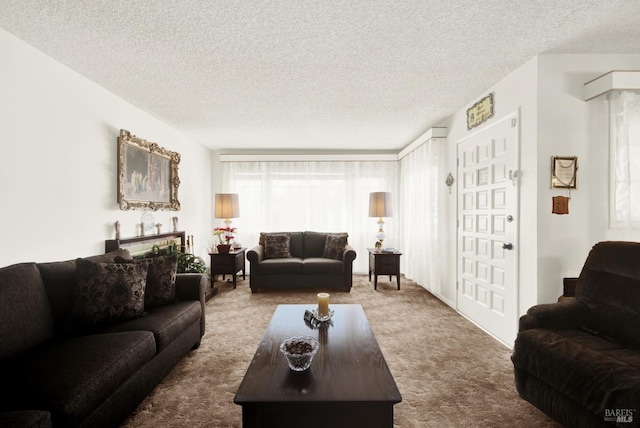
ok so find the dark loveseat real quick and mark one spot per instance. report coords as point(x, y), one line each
point(578, 360)
point(58, 370)
point(301, 260)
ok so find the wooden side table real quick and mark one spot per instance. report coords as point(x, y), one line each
point(228, 263)
point(384, 263)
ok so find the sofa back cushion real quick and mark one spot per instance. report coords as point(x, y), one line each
point(59, 281)
point(609, 285)
point(314, 244)
point(25, 315)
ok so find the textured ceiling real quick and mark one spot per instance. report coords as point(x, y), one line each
point(298, 74)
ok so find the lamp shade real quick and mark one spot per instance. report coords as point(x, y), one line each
point(380, 204)
point(227, 205)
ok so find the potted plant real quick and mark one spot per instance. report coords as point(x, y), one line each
point(225, 238)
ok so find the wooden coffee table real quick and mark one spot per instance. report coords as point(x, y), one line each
point(348, 384)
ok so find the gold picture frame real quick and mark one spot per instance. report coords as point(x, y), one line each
point(480, 112)
point(147, 175)
point(564, 172)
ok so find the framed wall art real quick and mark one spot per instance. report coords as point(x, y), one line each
point(147, 175)
point(564, 172)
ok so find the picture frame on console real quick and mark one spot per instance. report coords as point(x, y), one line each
point(147, 175)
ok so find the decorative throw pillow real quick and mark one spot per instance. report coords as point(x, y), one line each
point(106, 293)
point(161, 279)
point(277, 246)
point(334, 246)
point(263, 235)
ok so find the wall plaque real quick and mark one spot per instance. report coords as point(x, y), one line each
point(480, 112)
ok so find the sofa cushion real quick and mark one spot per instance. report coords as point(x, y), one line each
point(314, 244)
point(59, 281)
point(591, 370)
point(278, 266)
point(334, 246)
point(26, 419)
point(161, 279)
point(106, 293)
point(25, 315)
point(166, 322)
point(71, 377)
point(277, 246)
point(322, 265)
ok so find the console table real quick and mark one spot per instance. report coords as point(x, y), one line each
point(384, 263)
point(228, 263)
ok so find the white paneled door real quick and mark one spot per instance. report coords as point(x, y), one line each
point(487, 229)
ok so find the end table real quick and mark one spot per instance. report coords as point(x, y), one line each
point(228, 263)
point(384, 263)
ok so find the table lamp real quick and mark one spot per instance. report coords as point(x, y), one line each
point(227, 207)
point(380, 206)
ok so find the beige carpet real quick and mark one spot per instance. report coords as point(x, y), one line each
point(449, 372)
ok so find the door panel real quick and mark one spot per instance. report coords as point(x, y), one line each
point(487, 271)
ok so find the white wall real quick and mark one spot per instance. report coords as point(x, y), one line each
point(514, 94)
point(568, 127)
point(58, 179)
point(554, 120)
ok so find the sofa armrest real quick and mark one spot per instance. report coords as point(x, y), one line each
point(349, 254)
point(563, 315)
point(192, 286)
point(256, 254)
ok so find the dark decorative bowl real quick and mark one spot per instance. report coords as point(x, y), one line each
point(299, 351)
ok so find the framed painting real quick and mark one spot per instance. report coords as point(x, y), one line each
point(147, 175)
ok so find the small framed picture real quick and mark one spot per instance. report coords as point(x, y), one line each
point(564, 172)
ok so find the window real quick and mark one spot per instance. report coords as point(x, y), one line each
point(314, 196)
point(624, 128)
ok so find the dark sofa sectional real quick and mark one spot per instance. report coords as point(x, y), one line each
point(53, 377)
point(578, 360)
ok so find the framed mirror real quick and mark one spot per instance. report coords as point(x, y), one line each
point(147, 175)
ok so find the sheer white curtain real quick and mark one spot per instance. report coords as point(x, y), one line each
point(624, 128)
point(316, 196)
point(423, 206)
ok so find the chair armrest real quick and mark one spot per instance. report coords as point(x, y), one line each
point(349, 254)
point(563, 315)
point(256, 254)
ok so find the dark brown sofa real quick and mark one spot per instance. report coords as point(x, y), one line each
point(54, 376)
point(578, 360)
point(306, 260)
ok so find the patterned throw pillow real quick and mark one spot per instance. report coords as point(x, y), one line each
point(161, 279)
point(106, 293)
point(277, 246)
point(334, 246)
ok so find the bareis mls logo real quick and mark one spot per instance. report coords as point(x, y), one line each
point(619, 415)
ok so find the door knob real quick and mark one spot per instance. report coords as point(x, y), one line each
point(507, 246)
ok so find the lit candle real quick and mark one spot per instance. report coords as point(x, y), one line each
point(323, 304)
